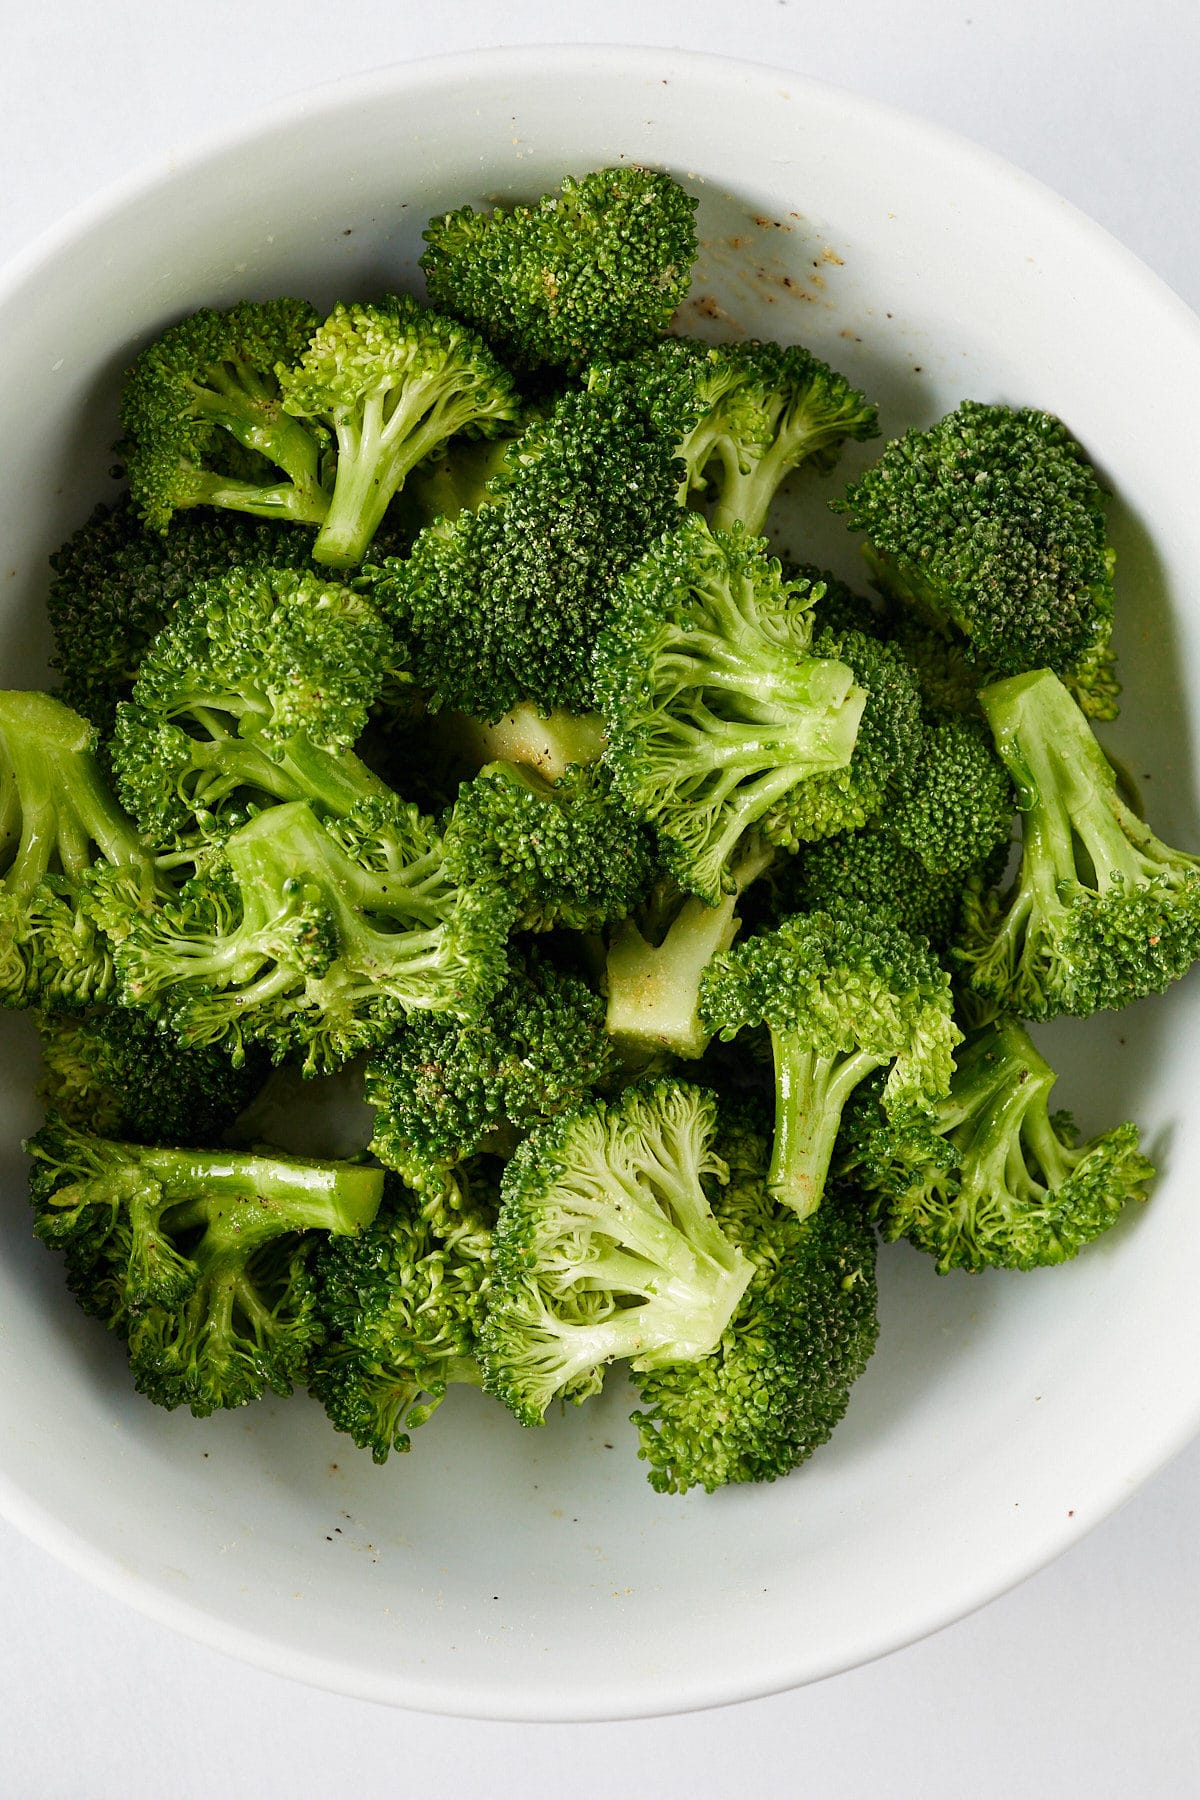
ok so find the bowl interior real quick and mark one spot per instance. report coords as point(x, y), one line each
point(502, 1572)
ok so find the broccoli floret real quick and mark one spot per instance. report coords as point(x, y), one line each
point(779, 1380)
point(442, 1088)
point(606, 1247)
point(891, 745)
point(312, 938)
point(842, 994)
point(715, 705)
point(1101, 911)
point(592, 272)
point(991, 1178)
point(113, 1072)
point(948, 681)
point(992, 523)
point(657, 958)
point(203, 422)
point(837, 608)
point(390, 383)
point(959, 811)
point(400, 1305)
point(872, 868)
point(199, 1259)
point(59, 824)
point(256, 691)
point(568, 854)
point(502, 605)
point(753, 412)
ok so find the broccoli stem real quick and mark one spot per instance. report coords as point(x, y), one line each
point(749, 486)
point(55, 788)
point(243, 1200)
point(237, 399)
point(281, 500)
point(811, 1092)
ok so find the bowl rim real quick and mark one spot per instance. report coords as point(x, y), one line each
point(20, 1507)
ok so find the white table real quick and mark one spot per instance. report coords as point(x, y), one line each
point(1084, 1681)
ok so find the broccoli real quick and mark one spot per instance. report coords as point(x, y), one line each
point(444, 1088)
point(501, 606)
point(198, 1259)
point(312, 938)
point(842, 994)
point(546, 743)
point(773, 1388)
point(959, 811)
point(254, 692)
point(715, 705)
point(606, 1247)
point(1101, 911)
point(203, 421)
point(390, 383)
point(991, 524)
point(872, 868)
point(59, 824)
point(568, 854)
point(890, 747)
point(113, 1072)
point(948, 681)
point(400, 1305)
point(752, 412)
point(993, 1179)
point(590, 273)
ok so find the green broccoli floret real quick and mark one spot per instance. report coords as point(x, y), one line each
point(891, 745)
point(502, 605)
point(199, 1259)
point(753, 412)
point(59, 824)
point(1101, 911)
point(838, 608)
point(606, 1247)
point(842, 994)
point(948, 680)
point(991, 1178)
point(567, 854)
point(312, 938)
point(203, 421)
point(592, 272)
point(871, 868)
point(443, 1088)
point(254, 692)
point(992, 523)
point(959, 811)
point(400, 1307)
point(113, 1072)
point(779, 1380)
point(390, 383)
point(715, 705)
point(116, 583)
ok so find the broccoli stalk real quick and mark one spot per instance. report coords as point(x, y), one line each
point(715, 706)
point(198, 1258)
point(548, 743)
point(606, 1247)
point(391, 383)
point(991, 1178)
point(1102, 911)
point(842, 995)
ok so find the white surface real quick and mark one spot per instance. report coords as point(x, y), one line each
point(1082, 1681)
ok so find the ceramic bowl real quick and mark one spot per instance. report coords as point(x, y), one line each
point(514, 1574)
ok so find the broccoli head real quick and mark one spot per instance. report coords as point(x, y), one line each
point(958, 813)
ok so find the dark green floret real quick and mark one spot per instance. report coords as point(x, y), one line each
point(114, 1072)
point(567, 853)
point(390, 384)
point(606, 1247)
point(991, 524)
point(313, 940)
point(991, 1178)
point(779, 1380)
point(1102, 911)
point(959, 811)
point(502, 605)
point(399, 1304)
point(254, 692)
point(592, 272)
point(59, 825)
point(842, 994)
point(752, 413)
point(442, 1088)
point(871, 868)
point(198, 1259)
point(715, 705)
point(204, 424)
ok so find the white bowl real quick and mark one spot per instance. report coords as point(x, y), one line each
point(507, 1573)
